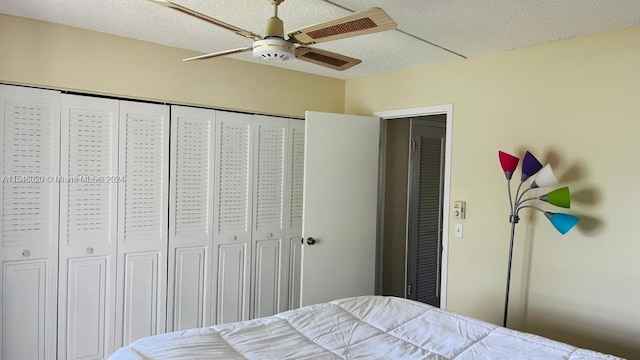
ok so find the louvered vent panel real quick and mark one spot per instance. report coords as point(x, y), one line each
point(297, 176)
point(89, 202)
point(270, 186)
point(27, 153)
point(144, 180)
point(429, 219)
point(192, 176)
point(234, 178)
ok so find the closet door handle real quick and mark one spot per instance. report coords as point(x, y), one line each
point(311, 241)
point(89, 250)
point(26, 253)
point(269, 235)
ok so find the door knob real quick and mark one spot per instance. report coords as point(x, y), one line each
point(311, 241)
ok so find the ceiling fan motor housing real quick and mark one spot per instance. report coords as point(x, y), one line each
point(274, 49)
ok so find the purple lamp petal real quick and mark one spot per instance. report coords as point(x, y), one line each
point(530, 166)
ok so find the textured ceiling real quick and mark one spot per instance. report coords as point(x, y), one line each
point(467, 27)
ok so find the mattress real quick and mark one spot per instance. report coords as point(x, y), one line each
point(369, 327)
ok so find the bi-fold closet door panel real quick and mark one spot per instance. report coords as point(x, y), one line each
point(229, 219)
point(88, 227)
point(143, 221)
point(269, 242)
point(295, 174)
point(191, 218)
point(29, 164)
point(232, 216)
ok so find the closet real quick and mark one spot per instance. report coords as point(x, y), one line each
point(234, 225)
point(124, 219)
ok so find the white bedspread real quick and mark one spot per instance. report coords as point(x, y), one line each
point(370, 327)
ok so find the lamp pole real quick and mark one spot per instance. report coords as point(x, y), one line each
point(513, 219)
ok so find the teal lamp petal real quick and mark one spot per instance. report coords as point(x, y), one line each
point(562, 222)
point(545, 177)
point(559, 197)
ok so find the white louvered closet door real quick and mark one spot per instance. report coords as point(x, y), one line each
point(295, 175)
point(269, 255)
point(29, 163)
point(142, 220)
point(190, 218)
point(232, 220)
point(88, 227)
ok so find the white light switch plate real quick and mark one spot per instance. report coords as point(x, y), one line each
point(458, 230)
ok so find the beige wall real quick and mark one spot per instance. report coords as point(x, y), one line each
point(575, 104)
point(40, 53)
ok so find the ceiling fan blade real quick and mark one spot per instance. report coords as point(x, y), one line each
point(219, 53)
point(359, 23)
point(224, 25)
point(326, 58)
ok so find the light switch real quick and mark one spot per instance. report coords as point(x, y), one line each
point(458, 230)
point(459, 209)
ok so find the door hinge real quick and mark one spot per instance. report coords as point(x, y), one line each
point(413, 145)
point(408, 289)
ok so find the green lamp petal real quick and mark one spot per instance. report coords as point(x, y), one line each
point(559, 197)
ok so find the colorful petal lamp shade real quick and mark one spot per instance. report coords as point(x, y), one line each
point(509, 163)
point(559, 197)
point(530, 166)
point(562, 222)
point(545, 177)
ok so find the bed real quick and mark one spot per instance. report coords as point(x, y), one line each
point(367, 327)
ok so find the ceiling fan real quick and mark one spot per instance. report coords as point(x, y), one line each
point(274, 47)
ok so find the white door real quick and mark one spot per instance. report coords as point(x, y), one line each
point(269, 216)
point(29, 164)
point(143, 221)
point(88, 218)
point(294, 201)
point(232, 221)
point(190, 218)
point(340, 206)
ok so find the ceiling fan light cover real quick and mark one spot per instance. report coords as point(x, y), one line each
point(274, 49)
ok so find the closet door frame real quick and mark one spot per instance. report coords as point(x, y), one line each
point(418, 112)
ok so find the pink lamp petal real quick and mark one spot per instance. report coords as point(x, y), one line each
point(508, 162)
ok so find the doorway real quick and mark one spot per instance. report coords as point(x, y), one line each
point(396, 253)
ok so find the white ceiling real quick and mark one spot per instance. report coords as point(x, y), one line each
point(467, 27)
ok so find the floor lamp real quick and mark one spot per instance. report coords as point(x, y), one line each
point(559, 197)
